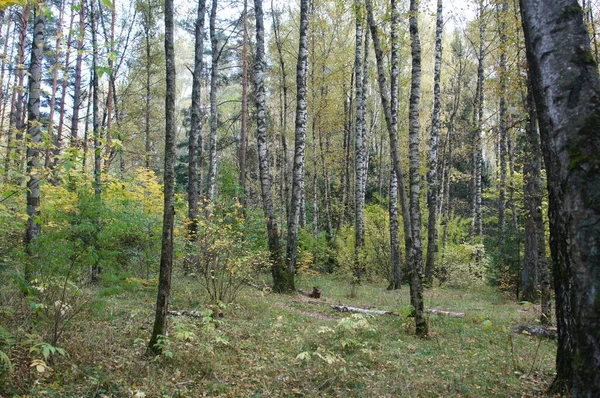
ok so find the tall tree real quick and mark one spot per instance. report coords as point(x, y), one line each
point(195, 136)
point(166, 253)
point(414, 170)
point(477, 184)
point(16, 116)
point(535, 269)
point(77, 97)
point(503, 138)
point(34, 134)
point(211, 175)
point(567, 97)
point(432, 178)
point(283, 277)
point(300, 139)
point(244, 121)
point(57, 51)
point(359, 143)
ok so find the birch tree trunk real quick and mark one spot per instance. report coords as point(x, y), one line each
point(476, 220)
point(147, 140)
point(166, 253)
point(432, 178)
point(34, 137)
point(415, 177)
point(285, 185)
point(299, 141)
point(503, 128)
point(214, 73)
point(244, 121)
point(195, 136)
point(396, 259)
point(77, 97)
point(57, 52)
point(567, 92)
point(283, 277)
point(359, 145)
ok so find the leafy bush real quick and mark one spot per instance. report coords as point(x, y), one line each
point(224, 258)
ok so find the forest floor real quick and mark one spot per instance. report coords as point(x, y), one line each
point(268, 345)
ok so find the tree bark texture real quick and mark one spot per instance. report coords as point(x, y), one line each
point(283, 277)
point(34, 136)
point(414, 166)
point(567, 98)
point(195, 136)
point(166, 253)
point(359, 145)
point(214, 120)
point(432, 177)
point(300, 139)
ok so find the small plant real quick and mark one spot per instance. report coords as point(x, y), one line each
point(225, 261)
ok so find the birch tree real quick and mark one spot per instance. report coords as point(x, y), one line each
point(299, 140)
point(34, 135)
point(566, 89)
point(283, 277)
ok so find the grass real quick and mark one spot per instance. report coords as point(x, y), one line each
point(269, 345)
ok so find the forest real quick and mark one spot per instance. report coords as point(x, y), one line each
point(299, 198)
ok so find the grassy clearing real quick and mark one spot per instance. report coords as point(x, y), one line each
point(268, 345)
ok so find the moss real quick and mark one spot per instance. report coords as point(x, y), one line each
point(572, 10)
point(586, 57)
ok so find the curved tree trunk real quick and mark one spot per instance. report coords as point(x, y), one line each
point(283, 278)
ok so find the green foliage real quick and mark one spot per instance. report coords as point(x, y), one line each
point(221, 254)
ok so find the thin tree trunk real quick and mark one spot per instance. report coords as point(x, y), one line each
point(195, 136)
point(299, 141)
point(166, 254)
point(16, 119)
point(244, 127)
point(57, 52)
point(503, 127)
point(285, 185)
point(283, 278)
point(396, 258)
point(566, 88)
point(214, 72)
point(34, 133)
point(5, 58)
point(532, 195)
point(77, 98)
point(359, 145)
point(476, 220)
point(65, 82)
point(432, 178)
point(147, 140)
point(96, 126)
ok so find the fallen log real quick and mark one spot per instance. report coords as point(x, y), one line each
point(549, 332)
point(315, 293)
point(446, 313)
point(192, 313)
point(195, 314)
point(344, 308)
point(262, 288)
